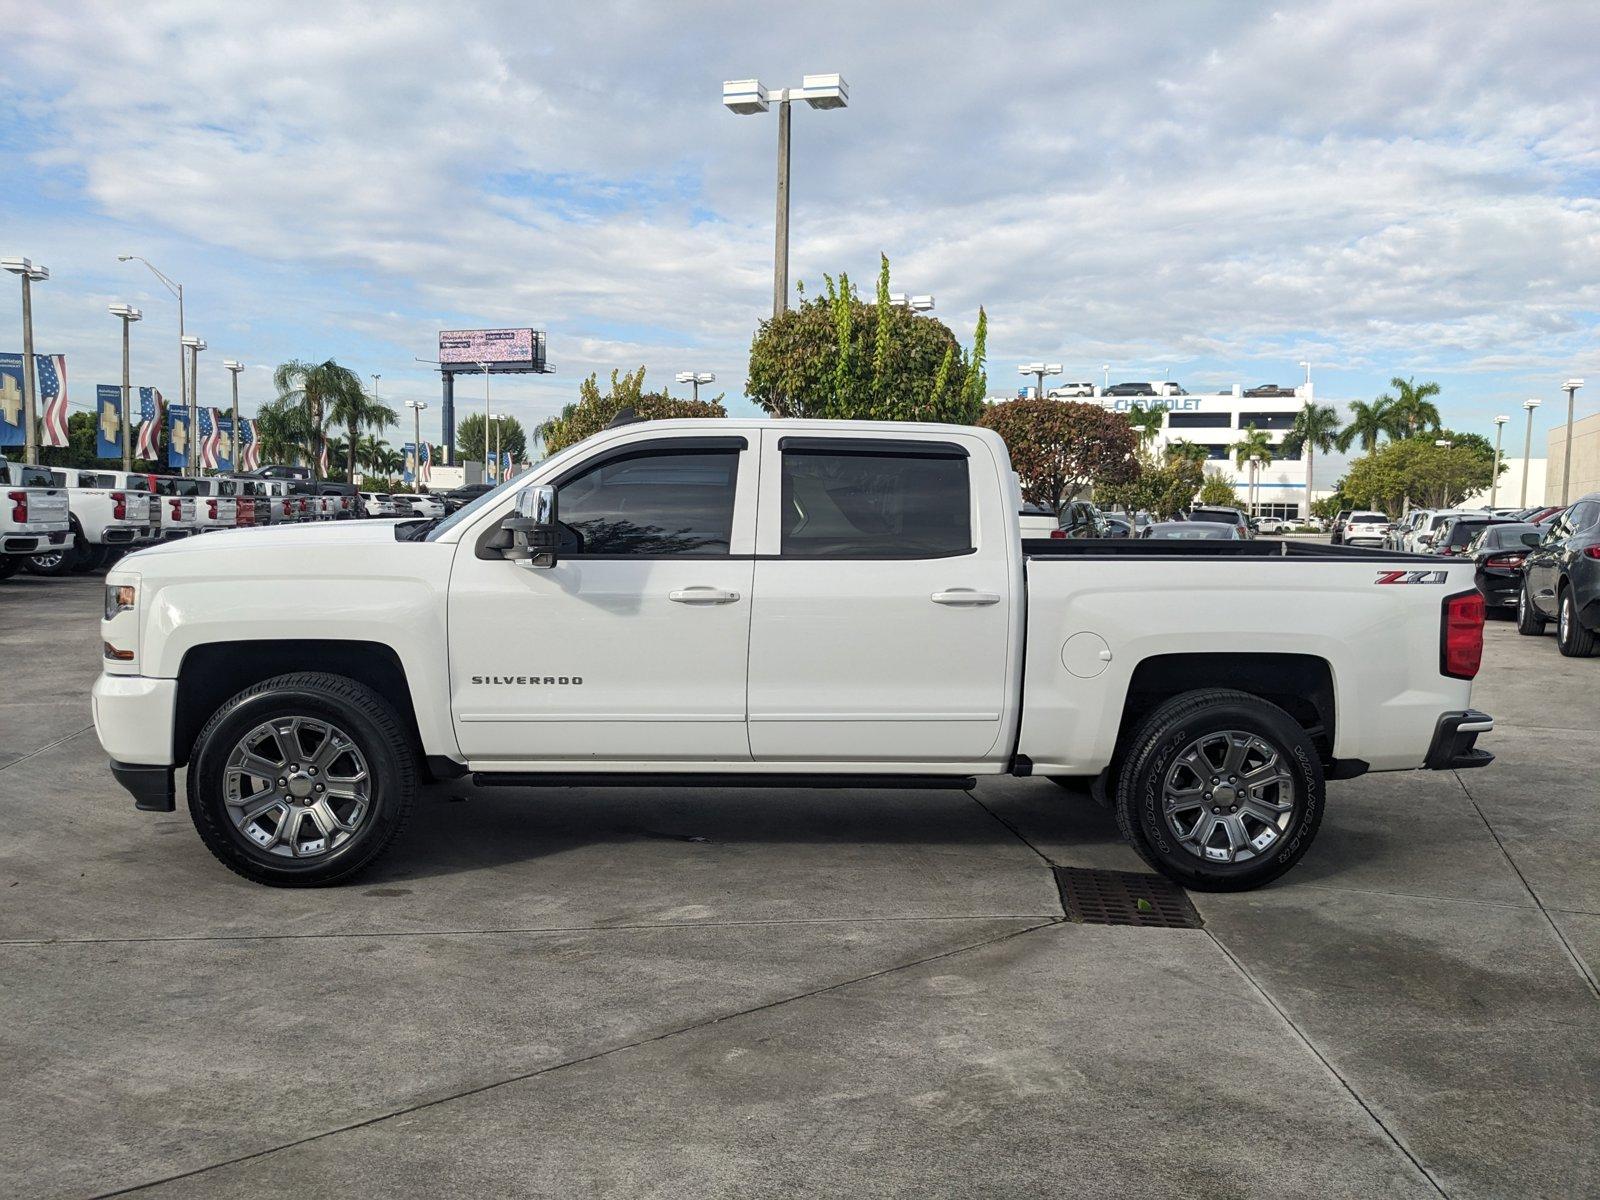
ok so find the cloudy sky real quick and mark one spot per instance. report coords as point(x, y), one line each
point(1208, 191)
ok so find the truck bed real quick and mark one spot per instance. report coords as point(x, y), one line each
point(1164, 548)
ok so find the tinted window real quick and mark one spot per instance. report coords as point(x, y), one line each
point(1176, 420)
point(1222, 515)
point(875, 506)
point(1584, 514)
point(651, 504)
point(1462, 532)
point(1262, 420)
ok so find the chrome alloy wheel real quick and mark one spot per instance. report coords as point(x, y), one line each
point(297, 787)
point(1228, 796)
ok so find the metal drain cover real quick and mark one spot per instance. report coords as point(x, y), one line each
point(1114, 898)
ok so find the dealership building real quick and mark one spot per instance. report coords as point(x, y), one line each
point(1218, 420)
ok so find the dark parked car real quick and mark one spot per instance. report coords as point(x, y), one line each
point(1498, 552)
point(1130, 389)
point(1456, 532)
point(1207, 531)
point(459, 498)
point(1337, 528)
point(1080, 519)
point(1268, 389)
point(1561, 580)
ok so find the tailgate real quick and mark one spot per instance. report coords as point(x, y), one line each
point(47, 511)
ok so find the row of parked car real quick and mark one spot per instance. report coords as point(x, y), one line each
point(59, 520)
point(1082, 519)
point(1542, 563)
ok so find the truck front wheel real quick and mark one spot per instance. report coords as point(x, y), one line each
point(1221, 791)
point(302, 780)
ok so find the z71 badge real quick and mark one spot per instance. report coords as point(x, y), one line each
point(1411, 576)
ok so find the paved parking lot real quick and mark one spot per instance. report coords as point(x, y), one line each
point(763, 994)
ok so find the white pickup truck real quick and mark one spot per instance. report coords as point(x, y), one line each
point(33, 515)
point(773, 603)
point(110, 510)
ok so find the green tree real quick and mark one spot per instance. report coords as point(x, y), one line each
point(356, 410)
point(1215, 490)
point(835, 356)
point(1316, 427)
point(595, 409)
point(283, 431)
point(1331, 506)
point(336, 454)
point(1411, 411)
point(1162, 490)
point(317, 388)
point(1059, 447)
point(1184, 450)
point(79, 450)
point(1146, 422)
point(1368, 423)
point(469, 439)
point(1253, 443)
point(1387, 477)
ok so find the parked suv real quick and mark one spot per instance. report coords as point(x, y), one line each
point(1561, 580)
point(1366, 528)
point(1223, 516)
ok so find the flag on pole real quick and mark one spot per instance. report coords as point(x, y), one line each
point(209, 439)
point(107, 421)
point(425, 463)
point(408, 473)
point(178, 436)
point(149, 422)
point(505, 464)
point(224, 451)
point(11, 431)
point(249, 449)
point(52, 373)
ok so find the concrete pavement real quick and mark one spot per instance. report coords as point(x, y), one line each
point(624, 993)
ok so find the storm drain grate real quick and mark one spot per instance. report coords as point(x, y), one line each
point(1124, 898)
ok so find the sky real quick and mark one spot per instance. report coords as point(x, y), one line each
point(1210, 193)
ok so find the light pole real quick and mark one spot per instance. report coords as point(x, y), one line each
point(914, 303)
point(1307, 365)
point(486, 417)
point(177, 290)
point(416, 407)
point(696, 378)
point(1105, 369)
point(496, 418)
point(1494, 481)
point(747, 97)
point(1571, 387)
point(129, 314)
point(1039, 370)
point(195, 345)
point(233, 368)
point(1531, 403)
point(31, 273)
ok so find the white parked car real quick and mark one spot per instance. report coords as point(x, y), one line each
point(1273, 525)
point(424, 504)
point(742, 603)
point(109, 510)
point(33, 515)
point(382, 504)
point(1366, 528)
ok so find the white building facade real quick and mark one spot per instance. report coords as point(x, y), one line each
point(1217, 421)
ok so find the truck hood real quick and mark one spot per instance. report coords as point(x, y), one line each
point(267, 539)
point(331, 550)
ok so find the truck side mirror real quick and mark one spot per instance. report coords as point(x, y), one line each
point(532, 528)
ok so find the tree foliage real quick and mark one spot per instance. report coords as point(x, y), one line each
point(595, 409)
point(1252, 443)
point(1162, 489)
point(837, 357)
point(1316, 427)
point(1218, 491)
point(1368, 423)
point(1411, 411)
point(1059, 447)
point(469, 438)
point(319, 389)
point(1415, 468)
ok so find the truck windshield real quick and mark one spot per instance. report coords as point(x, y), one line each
point(467, 511)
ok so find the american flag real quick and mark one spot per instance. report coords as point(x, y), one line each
point(249, 451)
point(149, 422)
point(210, 439)
point(424, 463)
point(505, 464)
point(52, 371)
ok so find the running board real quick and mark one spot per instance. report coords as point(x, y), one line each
point(590, 779)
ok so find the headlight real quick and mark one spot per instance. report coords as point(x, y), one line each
point(119, 598)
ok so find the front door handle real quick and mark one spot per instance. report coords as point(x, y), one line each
point(702, 595)
point(964, 598)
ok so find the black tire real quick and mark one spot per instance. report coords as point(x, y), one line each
point(90, 559)
point(374, 728)
point(10, 564)
point(1153, 753)
point(55, 562)
point(1529, 622)
point(1572, 639)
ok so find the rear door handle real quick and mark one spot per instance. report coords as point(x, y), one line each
point(964, 598)
point(702, 595)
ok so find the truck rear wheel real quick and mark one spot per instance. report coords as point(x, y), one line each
point(302, 780)
point(59, 561)
point(10, 564)
point(1221, 791)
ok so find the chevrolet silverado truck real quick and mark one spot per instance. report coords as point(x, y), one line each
point(109, 511)
point(773, 604)
point(34, 517)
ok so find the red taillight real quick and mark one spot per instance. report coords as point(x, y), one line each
point(1505, 560)
point(19, 506)
point(1058, 533)
point(119, 506)
point(1592, 551)
point(1462, 650)
point(177, 508)
point(211, 509)
point(286, 509)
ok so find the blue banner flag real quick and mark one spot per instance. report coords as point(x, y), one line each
point(179, 436)
point(107, 421)
point(409, 474)
point(225, 446)
point(12, 432)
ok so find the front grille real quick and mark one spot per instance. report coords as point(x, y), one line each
point(1092, 897)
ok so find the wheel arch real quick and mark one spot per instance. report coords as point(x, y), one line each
point(212, 672)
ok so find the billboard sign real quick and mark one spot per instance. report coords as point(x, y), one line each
point(514, 348)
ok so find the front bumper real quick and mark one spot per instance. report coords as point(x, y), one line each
point(133, 718)
point(153, 789)
point(1453, 746)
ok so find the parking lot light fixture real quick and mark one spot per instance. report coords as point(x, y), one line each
point(194, 346)
point(128, 314)
point(177, 290)
point(748, 97)
point(416, 407)
point(1571, 387)
point(1039, 370)
point(1531, 403)
point(31, 273)
point(914, 303)
point(1494, 480)
point(1105, 370)
point(695, 379)
point(233, 367)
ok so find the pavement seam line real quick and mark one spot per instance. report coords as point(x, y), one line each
point(1572, 955)
point(1327, 1064)
point(523, 1076)
point(1018, 834)
point(1355, 891)
point(512, 931)
point(51, 746)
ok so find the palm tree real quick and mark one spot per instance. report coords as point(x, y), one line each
point(389, 462)
point(1255, 444)
point(356, 410)
point(282, 431)
point(368, 451)
point(1368, 422)
point(1411, 409)
point(1316, 427)
point(316, 387)
point(1183, 450)
point(1147, 421)
point(336, 451)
